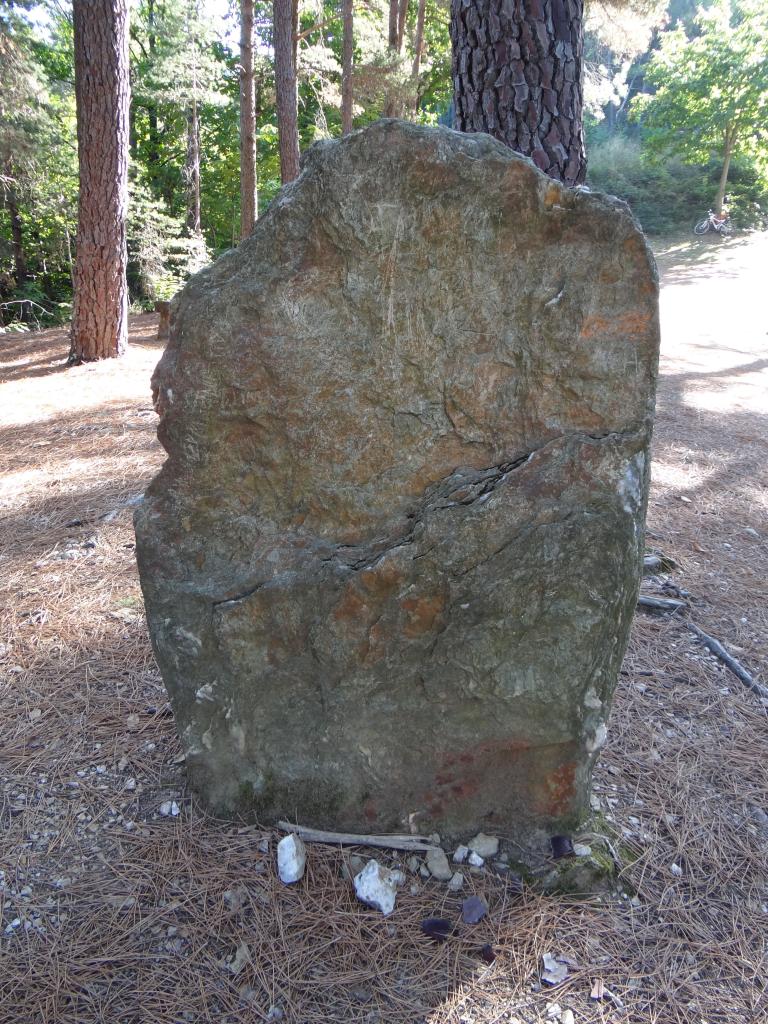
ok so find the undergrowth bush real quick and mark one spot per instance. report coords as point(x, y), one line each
point(669, 195)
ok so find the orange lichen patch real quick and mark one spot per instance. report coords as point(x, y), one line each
point(422, 614)
point(555, 795)
point(370, 811)
point(352, 605)
point(381, 580)
point(553, 197)
point(633, 324)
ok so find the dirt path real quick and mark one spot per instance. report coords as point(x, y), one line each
point(111, 911)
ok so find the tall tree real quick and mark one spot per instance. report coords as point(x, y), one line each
point(418, 46)
point(517, 74)
point(100, 311)
point(398, 11)
point(285, 37)
point(712, 90)
point(348, 48)
point(249, 204)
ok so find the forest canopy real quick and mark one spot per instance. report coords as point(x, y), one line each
point(661, 96)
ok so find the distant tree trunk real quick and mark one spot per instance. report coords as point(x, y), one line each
point(346, 67)
point(192, 169)
point(100, 306)
point(517, 74)
point(402, 13)
point(249, 203)
point(20, 270)
point(285, 15)
point(418, 46)
point(728, 144)
point(153, 148)
point(397, 13)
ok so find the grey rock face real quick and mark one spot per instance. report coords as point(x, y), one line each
point(391, 561)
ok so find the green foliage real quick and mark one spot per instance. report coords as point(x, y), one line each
point(711, 87)
point(668, 195)
point(160, 255)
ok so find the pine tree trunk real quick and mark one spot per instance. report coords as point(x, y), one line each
point(346, 67)
point(517, 74)
point(418, 46)
point(192, 169)
point(397, 12)
point(285, 13)
point(20, 270)
point(249, 203)
point(100, 307)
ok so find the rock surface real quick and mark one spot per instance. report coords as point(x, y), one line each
point(376, 886)
point(391, 561)
point(291, 859)
point(438, 865)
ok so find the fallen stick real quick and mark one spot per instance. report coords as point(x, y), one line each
point(661, 604)
point(728, 660)
point(393, 842)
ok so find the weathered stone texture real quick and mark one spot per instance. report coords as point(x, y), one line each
point(391, 561)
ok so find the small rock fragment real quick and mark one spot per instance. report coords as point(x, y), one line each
point(460, 854)
point(438, 865)
point(567, 1017)
point(376, 886)
point(581, 850)
point(456, 882)
point(413, 865)
point(437, 928)
point(676, 870)
point(475, 860)
point(240, 959)
point(484, 846)
point(291, 859)
point(562, 846)
point(474, 909)
point(554, 970)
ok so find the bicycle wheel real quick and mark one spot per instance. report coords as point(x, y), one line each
point(725, 228)
point(702, 227)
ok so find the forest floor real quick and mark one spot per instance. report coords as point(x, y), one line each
point(112, 912)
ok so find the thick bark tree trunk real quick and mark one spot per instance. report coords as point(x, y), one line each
point(730, 138)
point(348, 48)
point(249, 202)
point(192, 169)
point(100, 307)
point(517, 74)
point(285, 16)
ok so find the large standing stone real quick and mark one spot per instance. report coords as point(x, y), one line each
point(391, 561)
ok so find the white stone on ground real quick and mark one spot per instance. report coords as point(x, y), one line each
point(484, 846)
point(460, 854)
point(476, 860)
point(291, 859)
point(377, 887)
point(438, 865)
point(456, 882)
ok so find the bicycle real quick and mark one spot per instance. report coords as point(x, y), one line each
point(720, 224)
